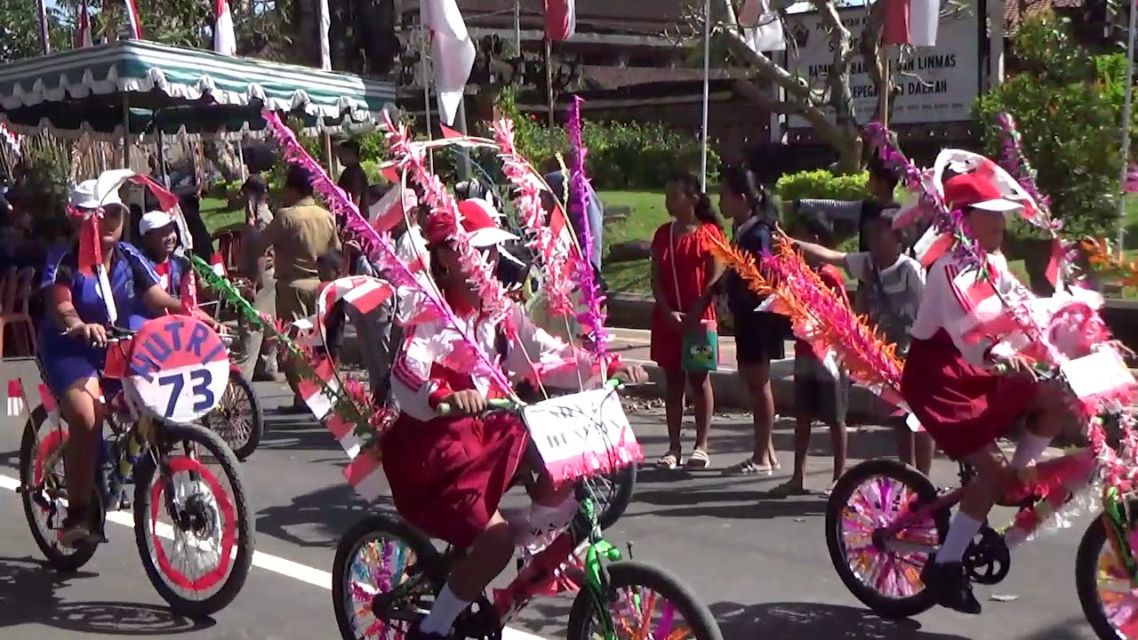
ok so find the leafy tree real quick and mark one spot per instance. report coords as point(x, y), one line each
point(1068, 106)
point(19, 30)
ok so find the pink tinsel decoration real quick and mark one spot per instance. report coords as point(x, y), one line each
point(593, 316)
point(555, 257)
point(377, 246)
point(413, 161)
point(1013, 159)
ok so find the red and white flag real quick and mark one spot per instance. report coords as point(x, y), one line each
point(16, 400)
point(83, 36)
point(762, 26)
point(560, 19)
point(911, 22)
point(452, 53)
point(365, 474)
point(135, 19)
point(321, 398)
point(224, 39)
point(345, 433)
point(986, 313)
point(218, 264)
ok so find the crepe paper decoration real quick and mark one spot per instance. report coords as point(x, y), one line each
point(1102, 262)
point(1013, 159)
point(556, 261)
point(478, 271)
point(1115, 470)
point(817, 314)
point(379, 246)
point(593, 317)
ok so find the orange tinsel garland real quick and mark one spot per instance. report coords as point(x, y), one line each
point(1100, 260)
point(818, 315)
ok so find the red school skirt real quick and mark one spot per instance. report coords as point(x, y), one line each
point(448, 475)
point(963, 407)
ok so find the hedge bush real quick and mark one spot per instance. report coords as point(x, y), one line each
point(822, 184)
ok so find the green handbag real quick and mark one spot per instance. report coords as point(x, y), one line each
point(701, 349)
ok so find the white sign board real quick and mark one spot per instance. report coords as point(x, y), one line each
point(937, 84)
point(582, 434)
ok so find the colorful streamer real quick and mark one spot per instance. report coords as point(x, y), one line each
point(1014, 161)
point(593, 316)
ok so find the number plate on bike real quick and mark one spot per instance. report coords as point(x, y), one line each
point(1101, 373)
point(178, 369)
point(582, 435)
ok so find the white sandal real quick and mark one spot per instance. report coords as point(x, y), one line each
point(668, 461)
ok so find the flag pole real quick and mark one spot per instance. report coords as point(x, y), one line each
point(45, 36)
point(883, 95)
point(1126, 107)
point(549, 79)
point(706, 92)
point(424, 53)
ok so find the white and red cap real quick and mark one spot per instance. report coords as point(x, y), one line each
point(153, 220)
point(480, 220)
point(978, 192)
point(86, 195)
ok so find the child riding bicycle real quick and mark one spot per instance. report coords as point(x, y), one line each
point(448, 472)
point(74, 331)
point(953, 380)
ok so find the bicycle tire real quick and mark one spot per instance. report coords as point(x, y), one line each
point(242, 447)
point(619, 496)
point(388, 526)
point(890, 608)
point(62, 562)
point(245, 530)
point(1086, 574)
point(629, 573)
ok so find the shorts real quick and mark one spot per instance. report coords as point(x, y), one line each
point(818, 395)
point(760, 337)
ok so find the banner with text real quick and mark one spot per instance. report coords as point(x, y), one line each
point(937, 84)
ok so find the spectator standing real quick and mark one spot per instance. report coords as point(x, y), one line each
point(890, 285)
point(594, 210)
point(353, 179)
point(191, 211)
point(260, 357)
point(881, 184)
point(760, 336)
point(821, 389)
point(684, 333)
point(299, 235)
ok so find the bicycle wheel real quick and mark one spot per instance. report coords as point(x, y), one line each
point(238, 418)
point(377, 554)
point(44, 492)
point(209, 523)
point(1109, 603)
point(643, 602)
point(868, 497)
point(612, 494)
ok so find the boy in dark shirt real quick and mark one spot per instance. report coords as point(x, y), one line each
point(881, 184)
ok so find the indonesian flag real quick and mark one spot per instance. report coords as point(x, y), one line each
point(321, 398)
point(452, 53)
point(560, 19)
point(16, 400)
point(218, 264)
point(365, 475)
point(135, 19)
point(911, 22)
point(224, 40)
point(83, 33)
point(986, 314)
point(762, 26)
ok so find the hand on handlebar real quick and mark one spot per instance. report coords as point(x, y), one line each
point(468, 402)
point(632, 374)
point(1016, 364)
point(92, 334)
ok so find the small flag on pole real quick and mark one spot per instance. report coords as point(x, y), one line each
point(218, 264)
point(452, 53)
point(560, 19)
point(224, 40)
point(911, 22)
point(83, 34)
point(365, 475)
point(16, 400)
point(135, 20)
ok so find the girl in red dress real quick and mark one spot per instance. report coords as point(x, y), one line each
point(683, 277)
point(448, 473)
point(953, 383)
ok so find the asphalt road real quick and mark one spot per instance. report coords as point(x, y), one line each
point(759, 563)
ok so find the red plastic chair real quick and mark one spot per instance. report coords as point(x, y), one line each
point(229, 246)
point(15, 294)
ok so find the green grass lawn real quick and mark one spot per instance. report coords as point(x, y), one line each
point(646, 214)
point(217, 215)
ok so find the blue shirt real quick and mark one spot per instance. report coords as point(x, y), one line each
point(593, 209)
point(754, 238)
point(130, 277)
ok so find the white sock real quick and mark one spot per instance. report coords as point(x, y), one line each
point(443, 613)
point(1029, 449)
point(960, 534)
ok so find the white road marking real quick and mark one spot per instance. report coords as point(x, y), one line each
point(261, 560)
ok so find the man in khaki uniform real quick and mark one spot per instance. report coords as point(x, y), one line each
point(299, 235)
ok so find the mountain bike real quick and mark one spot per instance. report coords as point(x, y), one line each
point(386, 574)
point(166, 375)
point(885, 521)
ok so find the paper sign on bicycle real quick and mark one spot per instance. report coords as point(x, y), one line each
point(1100, 374)
point(582, 435)
point(178, 369)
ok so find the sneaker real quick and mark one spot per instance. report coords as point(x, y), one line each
point(76, 530)
point(951, 586)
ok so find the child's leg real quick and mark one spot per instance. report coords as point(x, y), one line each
point(675, 382)
point(838, 442)
point(801, 450)
point(840, 391)
point(924, 448)
point(700, 384)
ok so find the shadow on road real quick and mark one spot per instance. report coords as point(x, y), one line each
point(28, 595)
point(329, 511)
point(798, 620)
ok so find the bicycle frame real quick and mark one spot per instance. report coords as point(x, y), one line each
point(1052, 483)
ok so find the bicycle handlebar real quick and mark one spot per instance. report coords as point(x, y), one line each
point(508, 404)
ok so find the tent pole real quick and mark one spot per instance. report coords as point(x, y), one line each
point(706, 94)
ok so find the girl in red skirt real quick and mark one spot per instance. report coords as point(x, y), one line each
point(951, 384)
point(448, 473)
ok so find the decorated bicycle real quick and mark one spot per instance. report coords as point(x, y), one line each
point(131, 389)
point(887, 527)
point(449, 454)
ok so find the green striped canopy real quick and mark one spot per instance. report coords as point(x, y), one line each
point(177, 90)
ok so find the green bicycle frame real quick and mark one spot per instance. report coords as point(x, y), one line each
point(1115, 517)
